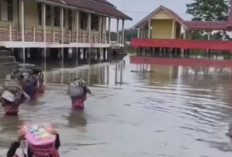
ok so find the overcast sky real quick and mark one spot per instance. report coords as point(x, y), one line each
point(138, 9)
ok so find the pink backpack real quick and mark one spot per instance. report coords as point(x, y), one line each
point(40, 141)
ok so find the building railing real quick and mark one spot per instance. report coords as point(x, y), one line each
point(52, 36)
point(15, 35)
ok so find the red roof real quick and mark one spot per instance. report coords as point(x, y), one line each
point(98, 6)
point(206, 25)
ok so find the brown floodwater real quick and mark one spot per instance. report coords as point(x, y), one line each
point(134, 111)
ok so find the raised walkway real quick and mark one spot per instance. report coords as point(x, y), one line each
point(182, 44)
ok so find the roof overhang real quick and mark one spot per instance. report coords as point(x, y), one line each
point(168, 11)
point(206, 25)
point(63, 3)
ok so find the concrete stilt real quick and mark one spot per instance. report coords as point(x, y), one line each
point(62, 57)
point(85, 54)
point(24, 55)
point(116, 73)
point(104, 55)
point(182, 53)
point(77, 56)
point(108, 75)
point(21, 55)
point(44, 51)
point(89, 56)
point(175, 53)
point(160, 51)
point(121, 73)
point(28, 54)
point(170, 52)
point(62, 65)
point(81, 54)
point(99, 55)
point(107, 54)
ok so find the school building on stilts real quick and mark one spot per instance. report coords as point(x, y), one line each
point(32, 29)
point(164, 32)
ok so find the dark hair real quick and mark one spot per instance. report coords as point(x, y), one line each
point(36, 71)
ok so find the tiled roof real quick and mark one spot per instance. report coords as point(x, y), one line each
point(206, 25)
point(192, 25)
point(170, 12)
point(98, 6)
point(104, 1)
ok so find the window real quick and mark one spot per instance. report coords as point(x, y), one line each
point(56, 16)
point(70, 19)
point(48, 15)
point(39, 13)
point(6, 10)
point(94, 22)
point(83, 20)
point(65, 17)
point(10, 10)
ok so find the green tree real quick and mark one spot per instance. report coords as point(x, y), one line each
point(209, 10)
point(130, 34)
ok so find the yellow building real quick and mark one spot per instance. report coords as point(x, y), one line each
point(161, 32)
point(162, 23)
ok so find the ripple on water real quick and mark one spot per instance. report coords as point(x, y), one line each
point(171, 112)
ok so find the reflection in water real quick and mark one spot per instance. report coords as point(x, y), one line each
point(119, 66)
point(9, 126)
point(77, 119)
point(171, 110)
point(98, 74)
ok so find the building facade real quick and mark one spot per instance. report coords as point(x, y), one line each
point(164, 32)
point(164, 23)
point(26, 24)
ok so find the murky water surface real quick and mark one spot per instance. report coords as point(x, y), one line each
point(135, 111)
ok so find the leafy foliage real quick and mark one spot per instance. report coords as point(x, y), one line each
point(129, 34)
point(209, 10)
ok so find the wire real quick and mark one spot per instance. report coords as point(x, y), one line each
point(143, 12)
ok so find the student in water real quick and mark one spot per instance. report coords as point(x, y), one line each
point(78, 93)
point(15, 146)
point(78, 89)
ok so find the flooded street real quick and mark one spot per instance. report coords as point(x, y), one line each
point(134, 111)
